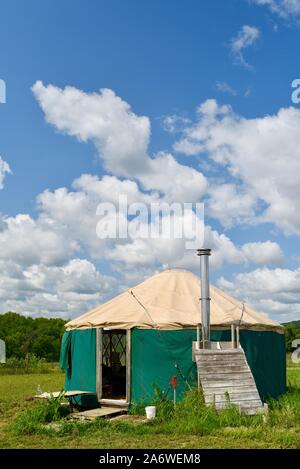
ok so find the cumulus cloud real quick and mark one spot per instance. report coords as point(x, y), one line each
point(39, 274)
point(109, 188)
point(27, 241)
point(120, 136)
point(48, 264)
point(154, 253)
point(178, 182)
point(245, 38)
point(275, 291)
point(230, 204)
point(261, 157)
point(65, 290)
point(263, 253)
point(4, 169)
point(225, 251)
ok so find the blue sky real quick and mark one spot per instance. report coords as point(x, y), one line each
point(163, 59)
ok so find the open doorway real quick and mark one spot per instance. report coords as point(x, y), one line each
point(114, 361)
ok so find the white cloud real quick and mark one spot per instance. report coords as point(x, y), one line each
point(230, 204)
point(109, 188)
point(154, 253)
point(274, 291)
point(284, 8)
point(65, 290)
point(4, 169)
point(27, 241)
point(225, 251)
point(40, 269)
point(261, 157)
point(224, 87)
point(39, 274)
point(120, 136)
point(263, 253)
point(246, 37)
point(74, 212)
point(178, 182)
point(174, 123)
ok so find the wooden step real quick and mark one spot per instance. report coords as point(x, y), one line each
point(209, 377)
point(98, 412)
point(247, 407)
point(229, 381)
point(223, 363)
point(232, 396)
point(228, 370)
point(230, 389)
point(214, 357)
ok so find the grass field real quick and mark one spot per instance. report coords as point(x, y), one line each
point(188, 430)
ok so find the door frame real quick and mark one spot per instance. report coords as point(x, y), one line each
point(99, 349)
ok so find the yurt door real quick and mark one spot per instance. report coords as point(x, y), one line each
point(113, 365)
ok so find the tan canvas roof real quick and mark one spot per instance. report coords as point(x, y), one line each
point(170, 300)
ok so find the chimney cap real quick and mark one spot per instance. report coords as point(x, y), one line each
point(203, 252)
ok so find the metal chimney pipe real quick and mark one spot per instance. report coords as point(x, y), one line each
point(205, 295)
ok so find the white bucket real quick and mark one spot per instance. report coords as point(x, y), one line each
point(150, 412)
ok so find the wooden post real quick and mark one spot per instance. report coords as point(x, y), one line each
point(232, 336)
point(198, 336)
point(238, 336)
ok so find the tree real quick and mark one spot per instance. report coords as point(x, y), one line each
point(291, 333)
point(23, 335)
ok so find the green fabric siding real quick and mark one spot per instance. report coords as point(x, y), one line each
point(153, 357)
point(265, 352)
point(155, 353)
point(78, 359)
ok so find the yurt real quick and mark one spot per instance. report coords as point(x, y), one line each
point(121, 350)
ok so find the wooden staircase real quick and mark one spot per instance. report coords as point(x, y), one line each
point(225, 377)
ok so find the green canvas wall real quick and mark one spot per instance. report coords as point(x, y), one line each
point(154, 355)
point(78, 359)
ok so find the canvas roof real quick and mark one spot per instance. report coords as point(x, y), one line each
point(170, 300)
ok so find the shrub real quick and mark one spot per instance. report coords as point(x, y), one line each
point(33, 420)
point(29, 364)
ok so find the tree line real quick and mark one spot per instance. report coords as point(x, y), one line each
point(25, 335)
point(42, 336)
point(292, 332)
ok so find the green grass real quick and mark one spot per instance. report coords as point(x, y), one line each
point(23, 422)
point(16, 391)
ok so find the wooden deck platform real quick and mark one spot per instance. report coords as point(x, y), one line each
point(99, 412)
